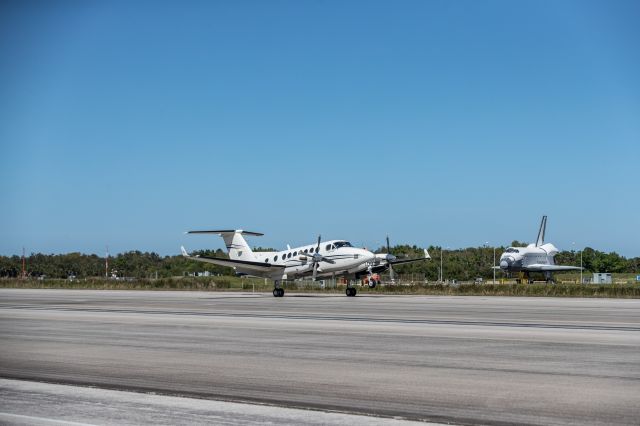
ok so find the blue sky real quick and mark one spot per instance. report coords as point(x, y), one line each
point(437, 122)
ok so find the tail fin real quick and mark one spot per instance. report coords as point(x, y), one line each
point(236, 244)
point(543, 228)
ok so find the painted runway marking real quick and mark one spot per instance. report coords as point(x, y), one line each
point(334, 318)
point(19, 419)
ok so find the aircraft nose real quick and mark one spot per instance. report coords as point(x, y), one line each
point(366, 254)
point(505, 263)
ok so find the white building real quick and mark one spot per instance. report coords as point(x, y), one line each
point(601, 278)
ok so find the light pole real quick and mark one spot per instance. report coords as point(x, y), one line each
point(574, 245)
point(573, 249)
point(486, 244)
point(441, 270)
point(441, 249)
point(494, 264)
point(581, 267)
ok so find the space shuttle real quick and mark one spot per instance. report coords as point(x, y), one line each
point(536, 257)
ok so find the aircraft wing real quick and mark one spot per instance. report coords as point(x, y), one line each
point(401, 261)
point(551, 268)
point(244, 264)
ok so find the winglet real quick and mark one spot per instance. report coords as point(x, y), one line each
point(426, 254)
point(541, 231)
point(184, 252)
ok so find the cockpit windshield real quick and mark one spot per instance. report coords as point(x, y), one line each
point(339, 244)
point(512, 250)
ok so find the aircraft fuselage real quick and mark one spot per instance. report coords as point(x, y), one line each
point(298, 261)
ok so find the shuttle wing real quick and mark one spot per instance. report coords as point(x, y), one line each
point(244, 264)
point(551, 268)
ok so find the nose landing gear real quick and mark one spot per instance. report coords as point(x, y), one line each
point(371, 280)
point(351, 291)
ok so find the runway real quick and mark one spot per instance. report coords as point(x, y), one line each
point(467, 360)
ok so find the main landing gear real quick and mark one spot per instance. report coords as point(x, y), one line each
point(277, 291)
point(351, 291)
point(524, 277)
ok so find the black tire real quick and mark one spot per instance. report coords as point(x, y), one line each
point(372, 283)
point(348, 291)
point(353, 292)
point(281, 292)
point(276, 292)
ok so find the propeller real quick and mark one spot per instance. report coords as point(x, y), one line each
point(390, 258)
point(316, 258)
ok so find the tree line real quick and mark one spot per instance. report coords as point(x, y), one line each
point(462, 264)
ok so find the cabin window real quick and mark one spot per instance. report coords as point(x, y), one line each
point(289, 256)
point(275, 258)
point(328, 247)
point(305, 251)
point(343, 244)
point(295, 253)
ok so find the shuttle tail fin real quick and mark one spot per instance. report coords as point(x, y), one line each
point(541, 231)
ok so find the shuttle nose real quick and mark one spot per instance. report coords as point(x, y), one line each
point(505, 263)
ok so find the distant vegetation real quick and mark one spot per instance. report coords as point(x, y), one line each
point(463, 264)
point(245, 284)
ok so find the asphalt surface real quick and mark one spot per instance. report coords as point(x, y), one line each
point(44, 404)
point(469, 360)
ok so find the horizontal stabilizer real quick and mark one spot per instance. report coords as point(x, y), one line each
point(226, 231)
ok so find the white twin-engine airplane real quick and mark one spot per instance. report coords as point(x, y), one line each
point(536, 257)
point(321, 260)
